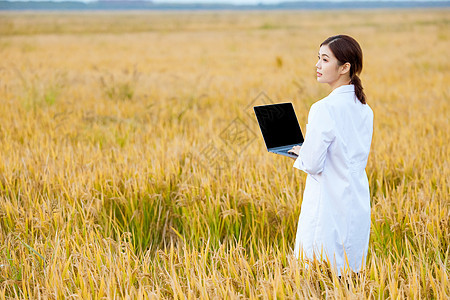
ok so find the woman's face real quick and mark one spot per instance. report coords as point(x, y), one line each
point(328, 69)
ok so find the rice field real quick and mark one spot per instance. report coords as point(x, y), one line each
point(131, 165)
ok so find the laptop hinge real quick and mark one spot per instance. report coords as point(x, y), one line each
point(285, 147)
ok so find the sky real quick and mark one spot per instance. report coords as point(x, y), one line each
point(222, 1)
point(225, 1)
point(254, 1)
point(243, 1)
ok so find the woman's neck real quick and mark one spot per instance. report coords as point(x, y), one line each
point(340, 82)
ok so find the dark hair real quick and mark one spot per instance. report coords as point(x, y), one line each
point(346, 49)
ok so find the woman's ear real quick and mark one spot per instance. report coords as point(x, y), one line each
point(345, 68)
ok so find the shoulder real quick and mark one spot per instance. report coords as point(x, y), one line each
point(321, 107)
point(369, 112)
point(320, 114)
point(367, 109)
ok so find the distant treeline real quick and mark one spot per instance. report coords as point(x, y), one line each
point(148, 5)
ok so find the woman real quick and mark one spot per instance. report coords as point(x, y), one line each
point(334, 223)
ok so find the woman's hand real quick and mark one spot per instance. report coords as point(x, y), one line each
point(295, 150)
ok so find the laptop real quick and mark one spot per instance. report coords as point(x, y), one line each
point(279, 127)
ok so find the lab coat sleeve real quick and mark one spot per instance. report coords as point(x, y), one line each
point(319, 135)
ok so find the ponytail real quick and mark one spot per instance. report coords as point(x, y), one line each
point(359, 90)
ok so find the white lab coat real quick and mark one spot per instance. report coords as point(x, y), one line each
point(334, 221)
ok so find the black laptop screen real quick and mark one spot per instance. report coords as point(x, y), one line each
point(279, 125)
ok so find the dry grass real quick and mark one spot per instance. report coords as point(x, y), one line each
point(103, 182)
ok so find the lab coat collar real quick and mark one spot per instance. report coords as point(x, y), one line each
point(349, 88)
